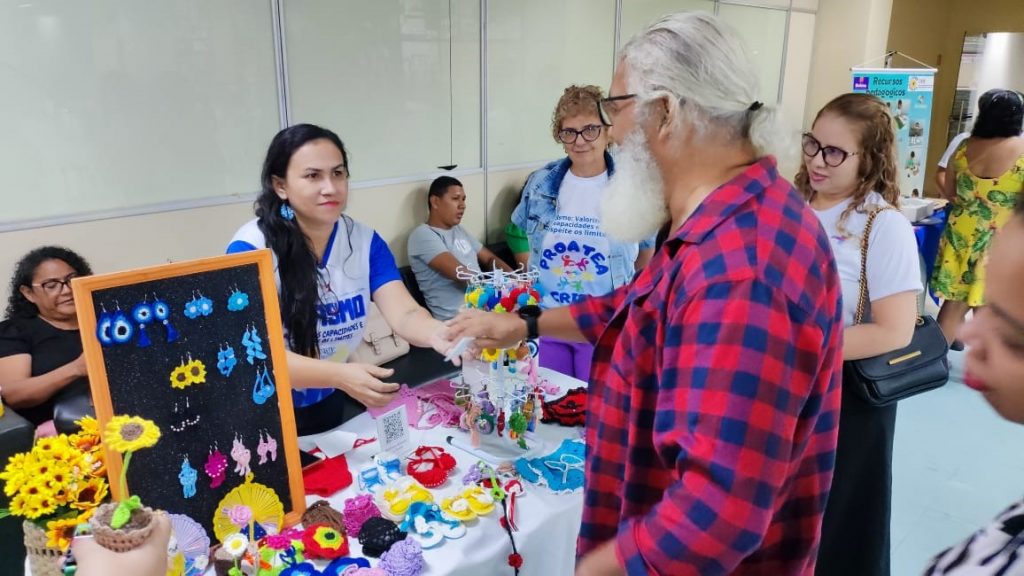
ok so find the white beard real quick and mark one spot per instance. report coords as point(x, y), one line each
point(633, 207)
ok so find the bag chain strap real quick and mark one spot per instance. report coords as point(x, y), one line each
point(862, 301)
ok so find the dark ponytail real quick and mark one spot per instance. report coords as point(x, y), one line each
point(296, 262)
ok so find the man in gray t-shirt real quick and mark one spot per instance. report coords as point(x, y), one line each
point(440, 247)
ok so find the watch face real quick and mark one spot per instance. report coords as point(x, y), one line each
point(531, 311)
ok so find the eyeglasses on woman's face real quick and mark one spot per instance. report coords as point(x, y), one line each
point(590, 132)
point(54, 286)
point(833, 156)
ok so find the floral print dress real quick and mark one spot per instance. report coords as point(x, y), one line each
point(981, 208)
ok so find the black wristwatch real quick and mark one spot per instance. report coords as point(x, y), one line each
point(530, 314)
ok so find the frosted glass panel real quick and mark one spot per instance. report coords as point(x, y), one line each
point(377, 73)
point(535, 48)
point(637, 14)
point(798, 68)
point(764, 31)
point(114, 104)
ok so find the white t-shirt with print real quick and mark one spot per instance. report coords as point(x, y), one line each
point(574, 255)
point(893, 263)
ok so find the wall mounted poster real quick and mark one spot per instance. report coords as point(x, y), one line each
point(197, 348)
point(908, 93)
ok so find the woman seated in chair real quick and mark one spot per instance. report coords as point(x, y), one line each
point(329, 268)
point(40, 350)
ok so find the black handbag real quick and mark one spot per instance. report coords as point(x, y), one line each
point(893, 376)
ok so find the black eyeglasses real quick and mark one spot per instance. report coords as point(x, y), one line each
point(55, 286)
point(832, 155)
point(590, 132)
point(602, 107)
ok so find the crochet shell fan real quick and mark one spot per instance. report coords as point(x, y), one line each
point(249, 507)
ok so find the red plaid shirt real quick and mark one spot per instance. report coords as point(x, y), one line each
point(714, 397)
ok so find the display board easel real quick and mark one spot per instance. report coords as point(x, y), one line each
point(135, 378)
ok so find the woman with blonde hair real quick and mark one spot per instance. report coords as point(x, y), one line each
point(849, 177)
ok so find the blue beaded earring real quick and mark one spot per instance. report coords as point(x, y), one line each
point(162, 312)
point(286, 211)
point(142, 313)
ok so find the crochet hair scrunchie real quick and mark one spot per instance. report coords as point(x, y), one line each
point(378, 535)
point(404, 559)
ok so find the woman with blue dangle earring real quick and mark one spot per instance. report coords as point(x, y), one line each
point(329, 269)
point(41, 357)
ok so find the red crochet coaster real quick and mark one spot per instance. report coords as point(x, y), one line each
point(327, 477)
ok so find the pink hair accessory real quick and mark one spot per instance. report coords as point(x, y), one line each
point(282, 541)
point(357, 511)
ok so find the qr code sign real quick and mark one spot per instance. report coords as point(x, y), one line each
point(393, 431)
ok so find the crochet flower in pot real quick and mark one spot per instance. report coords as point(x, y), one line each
point(126, 524)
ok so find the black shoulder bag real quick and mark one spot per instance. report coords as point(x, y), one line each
point(902, 373)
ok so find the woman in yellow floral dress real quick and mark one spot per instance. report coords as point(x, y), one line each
point(989, 169)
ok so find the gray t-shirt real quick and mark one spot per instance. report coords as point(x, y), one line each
point(444, 297)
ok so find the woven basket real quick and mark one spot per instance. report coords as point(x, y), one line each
point(43, 560)
point(130, 537)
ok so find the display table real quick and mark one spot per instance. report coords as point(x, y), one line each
point(548, 523)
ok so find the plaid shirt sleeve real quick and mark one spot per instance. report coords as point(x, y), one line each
point(592, 314)
point(738, 362)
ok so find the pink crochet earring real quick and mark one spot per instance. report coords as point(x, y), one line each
point(267, 447)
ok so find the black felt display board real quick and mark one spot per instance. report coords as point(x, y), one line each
point(139, 384)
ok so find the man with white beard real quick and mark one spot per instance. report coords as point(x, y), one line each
point(713, 402)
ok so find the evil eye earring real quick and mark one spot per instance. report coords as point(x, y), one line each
point(226, 360)
point(286, 211)
point(142, 313)
point(216, 466)
point(121, 328)
point(263, 389)
point(253, 346)
point(162, 313)
point(238, 301)
point(103, 327)
point(188, 477)
point(241, 455)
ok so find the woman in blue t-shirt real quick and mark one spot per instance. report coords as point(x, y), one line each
point(328, 267)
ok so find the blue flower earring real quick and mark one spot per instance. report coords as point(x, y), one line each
point(286, 211)
point(238, 301)
point(198, 306)
point(226, 360)
point(142, 313)
point(162, 312)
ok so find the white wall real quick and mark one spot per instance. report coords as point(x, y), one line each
point(1000, 65)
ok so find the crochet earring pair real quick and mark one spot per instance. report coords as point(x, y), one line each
point(241, 455)
point(118, 327)
point(198, 306)
point(267, 448)
point(263, 389)
point(184, 419)
point(226, 360)
point(185, 375)
point(253, 346)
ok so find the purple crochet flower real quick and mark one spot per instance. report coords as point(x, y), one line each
point(405, 558)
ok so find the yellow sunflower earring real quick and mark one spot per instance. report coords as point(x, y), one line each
point(179, 376)
point(185, 375)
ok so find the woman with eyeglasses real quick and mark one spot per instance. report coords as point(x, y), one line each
point(849, 170)
point(40, 348)
point(988, 170)
point(556, 228)
point(329, 268)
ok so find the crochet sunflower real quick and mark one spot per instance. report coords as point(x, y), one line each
point(126, 434)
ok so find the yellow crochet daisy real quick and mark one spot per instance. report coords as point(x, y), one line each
point(130, 433)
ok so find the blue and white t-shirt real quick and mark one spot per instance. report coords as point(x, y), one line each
point(348, 278)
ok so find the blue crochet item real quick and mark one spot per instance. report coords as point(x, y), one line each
point(561, 470)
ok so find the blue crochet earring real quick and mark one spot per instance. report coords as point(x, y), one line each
point(253, 346)
point(264, 387)
point(142, 313)
point(192, 307)
point(162, 312)
point(238, 300)
point(188, 477)
point(103, 325)
point(205, 305)
point(286, 211)
point(226, 360)
point(121, 328)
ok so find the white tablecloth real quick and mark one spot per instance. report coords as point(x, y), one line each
point(548, 523)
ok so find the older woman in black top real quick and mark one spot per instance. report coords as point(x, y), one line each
point(40, 348)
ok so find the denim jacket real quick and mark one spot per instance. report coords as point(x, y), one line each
point(538, 207)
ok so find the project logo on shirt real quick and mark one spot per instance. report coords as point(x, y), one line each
point(574, 265)
point(345, 310)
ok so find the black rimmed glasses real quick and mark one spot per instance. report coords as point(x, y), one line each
point(54, 286)
point(608, 107)
point(590, 132)
point(832, 155)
